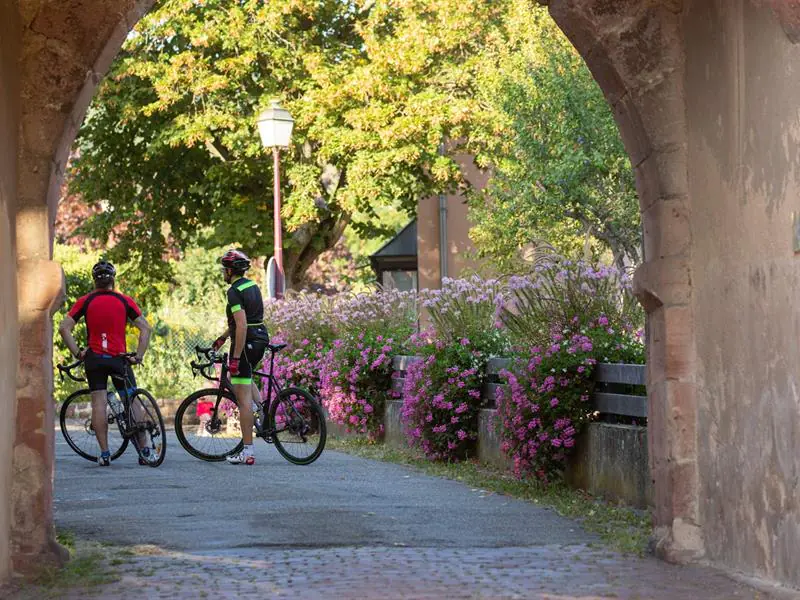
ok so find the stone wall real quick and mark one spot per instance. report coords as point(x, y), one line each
point(610, 460)
point(9, 123)
point(744, 174)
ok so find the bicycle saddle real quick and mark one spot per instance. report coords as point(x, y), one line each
point(277, 347)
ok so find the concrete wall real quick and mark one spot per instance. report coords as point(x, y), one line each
point(9, 123)
point(460, 250)
point(743, 111)
point(610, 460)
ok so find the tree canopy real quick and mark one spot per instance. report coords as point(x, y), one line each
point(566, 175)
point(170, 150)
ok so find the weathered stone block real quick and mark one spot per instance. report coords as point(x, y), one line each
point(394, 426)
point(682, 424)
point(683, 477)
point(662, 175)
point(672, 349)
point(489, 450)
point(666, 229)
point(40, 287)
point(83, 25)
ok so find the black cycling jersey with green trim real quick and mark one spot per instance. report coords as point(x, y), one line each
point(245, 295)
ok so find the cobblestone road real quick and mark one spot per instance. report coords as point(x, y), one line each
point(344, 528)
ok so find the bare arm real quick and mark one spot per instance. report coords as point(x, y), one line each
point(144, 336)
point(65, 330)
point(241, 332)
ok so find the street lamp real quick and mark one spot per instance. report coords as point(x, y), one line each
point(275, 127)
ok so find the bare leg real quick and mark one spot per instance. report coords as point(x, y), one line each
point(140, 415)
point(255, 392)
point(100, 418)
point(243, 395)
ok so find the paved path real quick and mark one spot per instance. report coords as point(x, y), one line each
point(344, 527)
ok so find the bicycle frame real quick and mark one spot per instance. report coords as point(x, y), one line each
point(225, 384)
point(125, 396)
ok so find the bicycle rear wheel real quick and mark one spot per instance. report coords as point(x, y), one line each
point(207, 425)
point(76, 427)
point(298, 425)
point(148, 434)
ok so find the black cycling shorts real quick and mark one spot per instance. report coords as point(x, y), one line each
point(99, 367)
point(253, 353)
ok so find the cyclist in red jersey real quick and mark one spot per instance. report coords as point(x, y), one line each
point(107, 314)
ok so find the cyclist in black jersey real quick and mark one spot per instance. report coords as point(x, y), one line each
point(249, 340)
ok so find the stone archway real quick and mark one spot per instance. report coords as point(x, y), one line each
point(716, 170)
point(65, 50)
point(635, 52)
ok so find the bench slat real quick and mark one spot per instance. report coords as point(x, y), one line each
point(621, 373)
point(496, 364)
point(489, 391)
point(400, 363)
point(620, 404)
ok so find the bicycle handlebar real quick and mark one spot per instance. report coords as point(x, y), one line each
point(62, 369)
point(213, 359)
point(67, 369)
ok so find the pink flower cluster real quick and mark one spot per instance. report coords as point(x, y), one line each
point(355, 382)
point(440, 408)
point(300, 366)
point(544, 405)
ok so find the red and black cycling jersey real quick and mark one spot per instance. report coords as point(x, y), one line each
point(107, 314)
point(245, 295)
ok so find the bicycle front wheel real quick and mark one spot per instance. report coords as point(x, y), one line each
point(207, 425)
point(76, 426)
point(147, 429)
point(298, 425)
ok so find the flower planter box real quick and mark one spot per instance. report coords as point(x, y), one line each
point(610, 460)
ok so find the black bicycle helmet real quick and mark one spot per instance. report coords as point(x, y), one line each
point(235, 260)
point(103, 271)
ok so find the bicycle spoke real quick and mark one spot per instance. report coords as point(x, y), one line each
point(299, 424)
point(76, 426)
point(207, 429)
point(147, 429)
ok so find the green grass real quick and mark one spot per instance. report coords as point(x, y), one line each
point(89, 566)
point(623, 529)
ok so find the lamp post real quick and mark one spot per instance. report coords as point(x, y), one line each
point(275, 127)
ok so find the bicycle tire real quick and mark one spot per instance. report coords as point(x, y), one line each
point(184, 424)
point(157, 445)
point(314, 418)
point(67, 421)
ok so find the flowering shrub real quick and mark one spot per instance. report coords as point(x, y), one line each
point(300, 365)
point(311, 324)
point(563, 294)
point(441, 394)
point(468, 308)
point(355, 382)
point(545, 404)
point(301, 320)
point(387, 312)
point(342, 347)
point(441, 399)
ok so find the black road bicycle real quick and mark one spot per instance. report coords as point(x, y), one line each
point(207, 424)
point(132, 417)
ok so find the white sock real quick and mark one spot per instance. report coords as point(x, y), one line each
point(248, 449)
